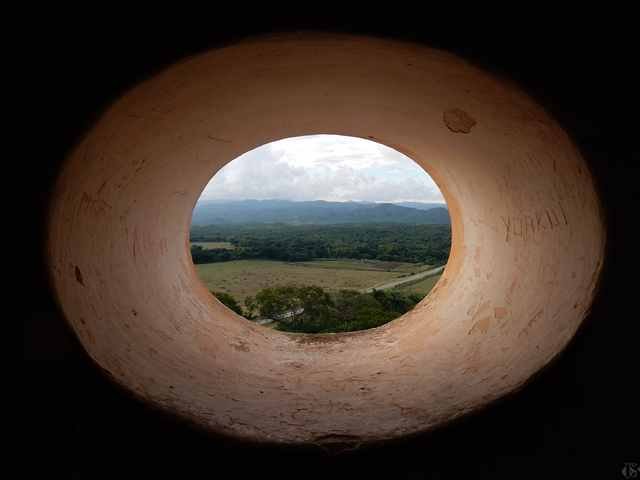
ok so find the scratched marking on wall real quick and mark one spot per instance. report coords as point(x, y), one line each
point(531, 226)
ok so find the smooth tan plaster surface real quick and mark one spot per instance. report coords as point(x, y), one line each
point(527, 240)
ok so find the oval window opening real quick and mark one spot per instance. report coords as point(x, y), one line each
point(320, 234)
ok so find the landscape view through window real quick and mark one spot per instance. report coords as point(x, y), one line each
point(321, 233)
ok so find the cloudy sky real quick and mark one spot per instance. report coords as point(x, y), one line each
point(323, 167)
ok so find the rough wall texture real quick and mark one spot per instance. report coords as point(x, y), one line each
point(527, 241)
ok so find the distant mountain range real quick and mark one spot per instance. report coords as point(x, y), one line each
point(421, 205)
point(316, 212)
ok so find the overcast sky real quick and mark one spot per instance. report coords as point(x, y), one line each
point(323, 167)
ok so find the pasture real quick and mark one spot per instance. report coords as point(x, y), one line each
point(422, 287)
point(243, 278)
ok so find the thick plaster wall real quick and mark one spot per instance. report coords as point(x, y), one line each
point(527, 249)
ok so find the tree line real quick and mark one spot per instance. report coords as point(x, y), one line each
point(294, 243)
point(311, 309)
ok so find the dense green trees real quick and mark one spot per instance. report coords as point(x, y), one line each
point(311, 309)
point(390, 242)
point(228, 301)
point(290, 303)
point(200, 254)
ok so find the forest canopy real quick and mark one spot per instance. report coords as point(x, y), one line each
point(428, 244)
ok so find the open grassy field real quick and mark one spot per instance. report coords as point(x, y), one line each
point(422, 287)
point(368, 265)
point(242, 278)
point(214, 245)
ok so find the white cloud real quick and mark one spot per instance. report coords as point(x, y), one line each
point(323, 167)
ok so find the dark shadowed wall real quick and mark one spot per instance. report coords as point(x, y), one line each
point(578, 418)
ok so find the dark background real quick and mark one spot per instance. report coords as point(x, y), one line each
point(577, 419)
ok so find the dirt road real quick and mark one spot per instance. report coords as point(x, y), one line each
point(404, 280)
